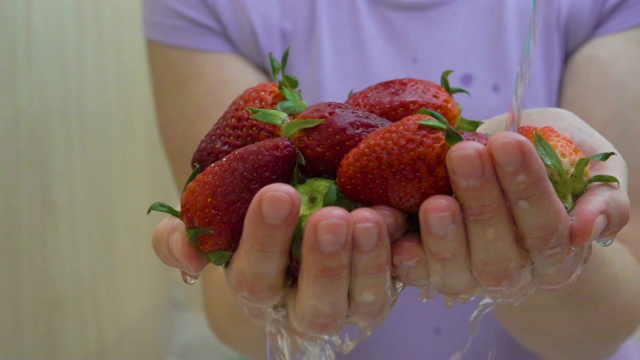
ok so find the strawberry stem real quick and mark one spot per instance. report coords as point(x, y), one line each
point(288, 86)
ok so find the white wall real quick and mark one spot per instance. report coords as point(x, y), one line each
point(80, 161)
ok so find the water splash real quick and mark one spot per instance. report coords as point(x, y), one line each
point(524, 73)
point(286, 343)
point(484, 307)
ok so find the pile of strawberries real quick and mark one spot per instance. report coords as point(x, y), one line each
point(385, 145)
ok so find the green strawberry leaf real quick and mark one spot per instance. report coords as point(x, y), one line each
point(452, 136)
point(164, 208)
point(335, 197)
point(468, 125)
point(194, 233)
point(457, 90)
point(194, 173)
point(601, 156)
point(275, 66)
point(289, 93)
point(268, 116)
point(548, 155)
point(580, 168)
point(603, 179)
point(291, 82)
point(291, 107)
point(292, 127)
point(444, 80)
point(219, 258)
point(285, 60)
point(434, 124)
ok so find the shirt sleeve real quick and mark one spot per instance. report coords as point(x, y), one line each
point(586, 20)
point(618, 15)
point(185, 23)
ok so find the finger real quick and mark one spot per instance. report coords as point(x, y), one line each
point(371, 290)
point(172, 246)
point(445, 243)
point(395, 221)
point(257, 272)
point(321, 300)
point(410, 261)
point(496, 258)
point(542, 221)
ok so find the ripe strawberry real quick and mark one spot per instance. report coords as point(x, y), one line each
point(566, 164)
point(215, 202)
point(324, 133)
point(323, 146)
point(401, 165)
point(236, 129)
point(399, 98)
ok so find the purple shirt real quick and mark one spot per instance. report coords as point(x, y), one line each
point(343, 45)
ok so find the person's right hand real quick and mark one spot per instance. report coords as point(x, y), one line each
point(345, 275)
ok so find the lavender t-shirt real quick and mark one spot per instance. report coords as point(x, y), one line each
point(343, 45)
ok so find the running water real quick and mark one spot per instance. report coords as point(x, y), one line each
point(524, 72)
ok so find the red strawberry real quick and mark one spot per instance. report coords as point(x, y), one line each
point(236, 129)
point(323, 146)
point(399, 98)
point(566, 164)
point(401, 165)
point(215, 202)
point(324, 133)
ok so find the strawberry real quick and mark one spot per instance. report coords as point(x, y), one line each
point(398, 98)
point(324, 133)
point(215, 201)
point(236, 129)
point(401, 165)
point(566, 164)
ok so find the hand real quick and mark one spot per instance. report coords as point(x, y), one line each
point(505, 232)
point(345, 274)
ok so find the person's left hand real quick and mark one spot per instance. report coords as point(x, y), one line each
point(505, 233)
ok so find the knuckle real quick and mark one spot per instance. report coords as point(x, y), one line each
point(444, 254)
point(317, 320)
point(496, 274)
point(330, 272)
point(482, 213)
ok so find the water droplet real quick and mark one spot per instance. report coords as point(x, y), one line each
point(605, 242)
point(188, 278)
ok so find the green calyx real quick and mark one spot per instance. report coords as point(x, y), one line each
point(288, 86)
point(444, 82)
point(452, 136)
point(315, 194)
point(570, 186)
point(463, 123)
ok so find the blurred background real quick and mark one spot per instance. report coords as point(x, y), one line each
point(80, 161)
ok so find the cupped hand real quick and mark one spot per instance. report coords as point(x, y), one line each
point(345, 274)
point(505, 233)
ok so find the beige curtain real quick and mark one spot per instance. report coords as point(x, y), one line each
point(80, 161)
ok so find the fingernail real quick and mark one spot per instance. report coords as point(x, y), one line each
point(598, 227)
point(508, 154)
point(440, 224)
point(189, 279)
point(366, 236)
point(332, 235)
point(467, 167)
point(276, 207)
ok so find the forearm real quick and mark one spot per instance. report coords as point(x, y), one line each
point(227, 320)
point(588, 320)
